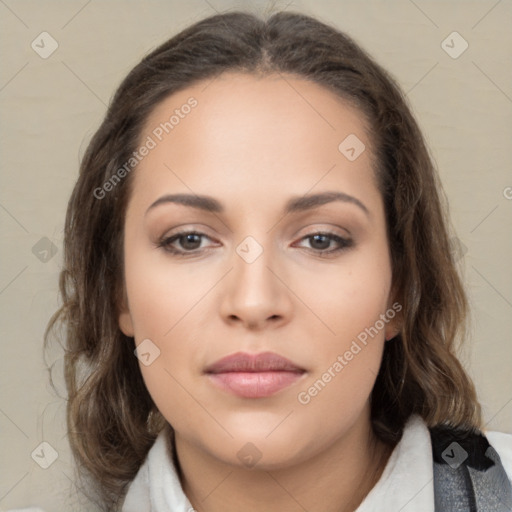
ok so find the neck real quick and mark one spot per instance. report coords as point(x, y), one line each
point(336, 480)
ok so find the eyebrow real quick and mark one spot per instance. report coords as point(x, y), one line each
point(293, 205)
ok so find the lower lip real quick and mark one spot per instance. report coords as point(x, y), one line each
point(255, 384)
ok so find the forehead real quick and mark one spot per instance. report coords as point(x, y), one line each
point(247, 134)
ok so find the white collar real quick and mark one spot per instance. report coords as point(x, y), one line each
point(157, 487)
point(406, 483)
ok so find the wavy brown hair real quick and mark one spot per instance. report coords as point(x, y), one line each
point(112, 420)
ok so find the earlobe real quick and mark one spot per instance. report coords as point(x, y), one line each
point(394, 324)
point(124, 319)
point(125, 323)
point(391, 333)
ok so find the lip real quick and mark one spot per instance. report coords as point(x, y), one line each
point(254, 376)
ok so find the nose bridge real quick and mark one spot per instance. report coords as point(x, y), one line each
point(251, 266)
point(255, 293)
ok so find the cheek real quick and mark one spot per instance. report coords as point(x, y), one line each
point(347, 362)
point(349, 297)
point(161, 293)
point(351, 340)
point(166, 303)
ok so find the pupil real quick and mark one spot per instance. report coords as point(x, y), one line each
point(189, 240)
point(325, 242)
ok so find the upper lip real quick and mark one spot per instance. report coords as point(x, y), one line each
point(263, 362)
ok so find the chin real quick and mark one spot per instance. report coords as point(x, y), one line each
point(256, 456)
point(264, 449)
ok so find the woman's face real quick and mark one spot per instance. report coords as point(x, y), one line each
point(265, 164)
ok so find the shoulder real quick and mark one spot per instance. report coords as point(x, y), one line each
point(472, 468)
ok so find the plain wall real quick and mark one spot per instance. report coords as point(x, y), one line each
point(51, 107)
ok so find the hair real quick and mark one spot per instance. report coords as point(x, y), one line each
point(112, 420)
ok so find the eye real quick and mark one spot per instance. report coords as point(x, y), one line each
point(189, 241)
point(321, 241)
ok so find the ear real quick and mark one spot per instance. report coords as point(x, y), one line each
point(125, 318)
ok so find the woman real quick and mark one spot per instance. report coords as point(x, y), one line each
point(260, 299)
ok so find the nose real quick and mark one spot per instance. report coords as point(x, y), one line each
point(255, 294)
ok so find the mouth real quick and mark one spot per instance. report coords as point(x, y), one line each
point(254, 376)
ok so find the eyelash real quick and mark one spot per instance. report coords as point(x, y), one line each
point(165, 243)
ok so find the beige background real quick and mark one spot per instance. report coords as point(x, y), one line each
point(51, 107)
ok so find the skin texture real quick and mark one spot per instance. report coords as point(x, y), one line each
point(252, 143)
